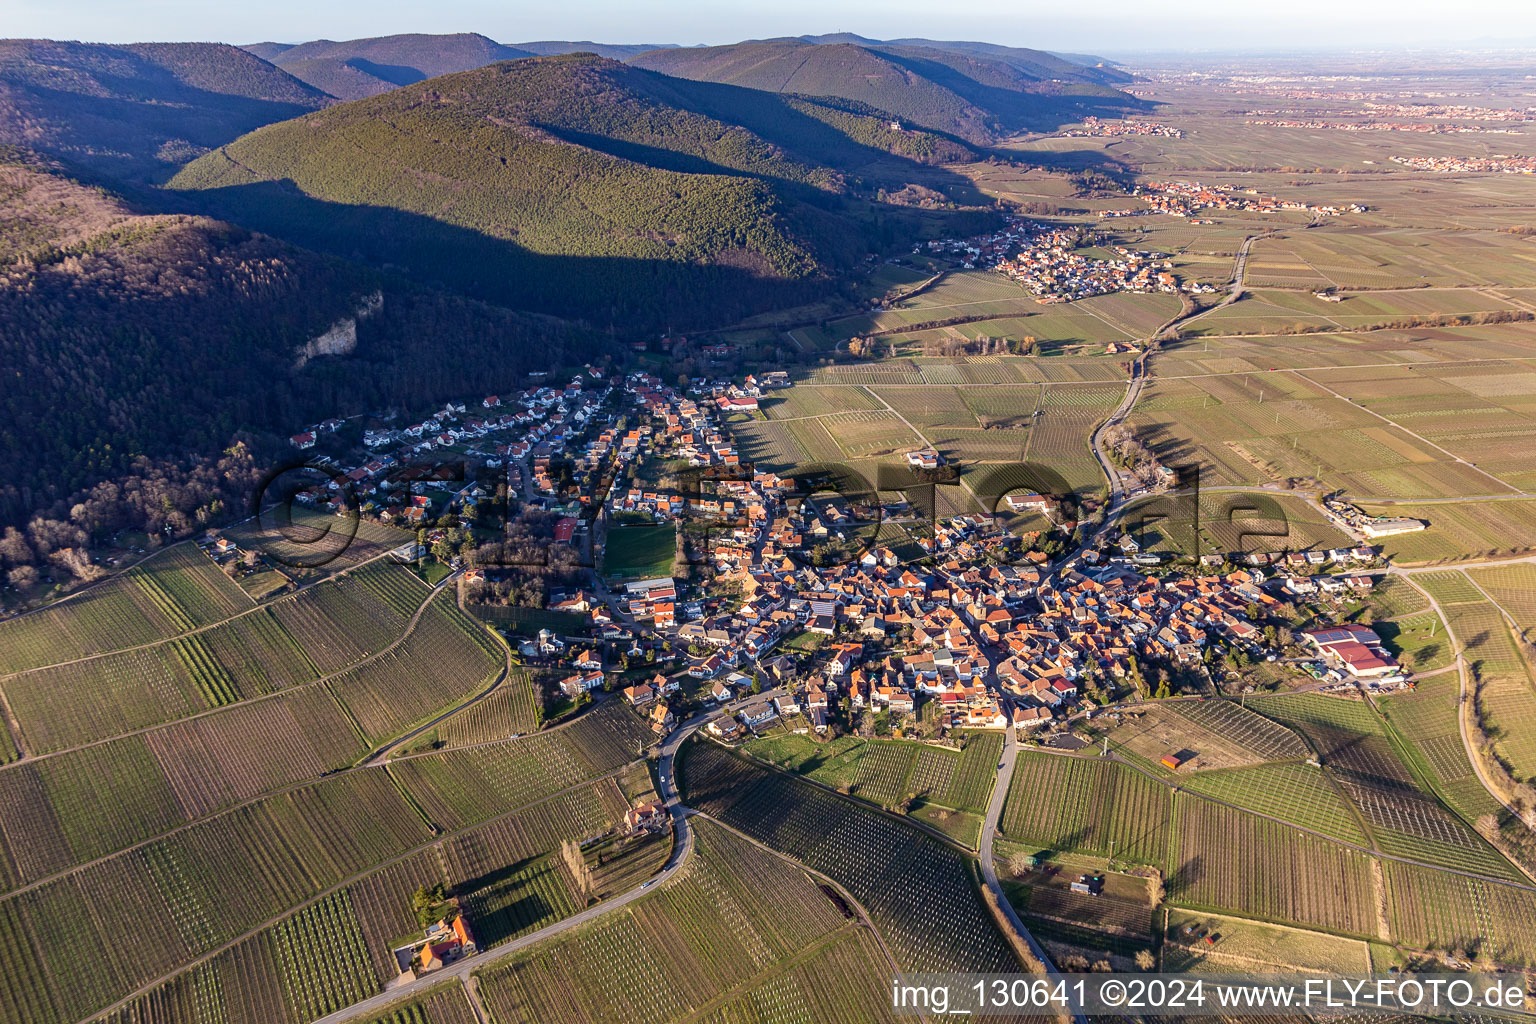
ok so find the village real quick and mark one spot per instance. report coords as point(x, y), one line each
point(783, 608)
point(1187, 198)
point(1060, 264)
point(1420, 128)
point(1093, 127)
point(1495, 164)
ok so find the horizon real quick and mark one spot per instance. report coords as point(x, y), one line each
point(1117, 28)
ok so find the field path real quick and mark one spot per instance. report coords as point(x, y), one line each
point(682, 849)
point(1464, 699)
point(989, 869)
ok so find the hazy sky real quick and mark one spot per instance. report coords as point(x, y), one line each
point(1104, 25)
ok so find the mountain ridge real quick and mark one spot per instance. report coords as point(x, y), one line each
point(575, 183)
point(136, 111)
point(976, 98)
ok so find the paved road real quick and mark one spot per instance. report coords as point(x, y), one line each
point(1464, 696)
point(989, 870)
point(682, 849)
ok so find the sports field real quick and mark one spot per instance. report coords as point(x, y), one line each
point(639, 552)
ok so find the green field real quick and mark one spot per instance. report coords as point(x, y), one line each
point(639, 552)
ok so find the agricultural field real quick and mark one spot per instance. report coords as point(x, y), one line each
point(295, 847)
point(928, 781)
point(1419, 642)
point(320, 629)
point(249, 656)
point(1262, 427)
point(1425, 718)
point(1262, 739)
point(1440, 911)
point(1259, 948)
point(309, 544)
point(446, 657)
point(1297, 793)
point(1399, 810)
point(799, 402)
point(456, 788)
point(741, 931)
point(1090, 804)
point(508, 712)
point(169, 593)
point(1227, 859)
point(919, 892)
point(1513, 589)
point(1503, 677)
point(323, 833)
point(1235, 522)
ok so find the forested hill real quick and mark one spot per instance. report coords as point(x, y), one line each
point(1038, 63)
point(168, 336)
point(356, 68)
point(583, 187)
point(139, 111)
point(976, 97)
point(617, 51)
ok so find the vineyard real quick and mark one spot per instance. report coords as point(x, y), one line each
point(732, 920)
point(271, 649)
point(334, 950)
point(1426, 718)
point(174, 591)
point(507, 712)
point(446, 1005)
point(321, 958)
point(608, 736)
point(458, 787)
point(918, 891)
point(1296, 793)
point(1266, 740)
point(284, 850)
point(1346, 734)
point(885, 772)
point(1231, 860)
point(448, 656)
point(1435, 910)
point(1074, 803)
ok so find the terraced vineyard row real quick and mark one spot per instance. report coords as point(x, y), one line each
point(919, 892)
point(140, 914)
point(1435, 910)
point(972, 785)
point(145, 912)
point(459, 787)
point(507, 712)
point(448, 657)
point(1297, 793)
point(1267, 740)
point(71, 807)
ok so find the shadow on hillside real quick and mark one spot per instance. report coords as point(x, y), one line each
point(1049, 108)
point(624, 296)
point(145, 138)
